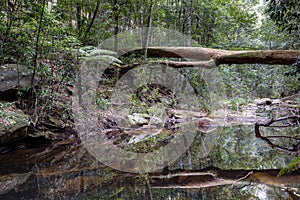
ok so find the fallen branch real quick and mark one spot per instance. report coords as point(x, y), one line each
point(175, 64)
point(266, 138)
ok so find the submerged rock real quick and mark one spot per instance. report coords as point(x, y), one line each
point(138, 119)
point(12, 181)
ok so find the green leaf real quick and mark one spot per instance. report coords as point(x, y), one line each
point(294, 165)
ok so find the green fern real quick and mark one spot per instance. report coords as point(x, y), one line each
point(294, 165)
point(88, 48)
point(110, 59)
point(100, 54)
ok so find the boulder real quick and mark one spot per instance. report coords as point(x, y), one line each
point(263, 101)
point(13, 78)
point(13, 123)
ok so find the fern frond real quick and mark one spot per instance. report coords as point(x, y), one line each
point(87, 48)
point(101, 52)
point(110, 59)
point(294, 165)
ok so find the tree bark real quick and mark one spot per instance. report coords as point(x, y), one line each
point(218, 56)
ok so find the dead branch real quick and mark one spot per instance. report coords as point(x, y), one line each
point(267, 138)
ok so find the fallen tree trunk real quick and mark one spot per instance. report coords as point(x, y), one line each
point(213, 176)
point(205, 56)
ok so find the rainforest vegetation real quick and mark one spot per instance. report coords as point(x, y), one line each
point(252, 48)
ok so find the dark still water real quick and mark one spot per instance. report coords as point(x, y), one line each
point(227, 163)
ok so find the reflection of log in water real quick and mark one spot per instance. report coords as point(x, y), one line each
point(213, 176)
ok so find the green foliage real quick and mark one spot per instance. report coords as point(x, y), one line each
point(99, 54)
point(248, 81)
point(285, 14)
point(292, 166)
point(235, 103)
point(102, 100)
point(9, 115)
point(270, 37)
point(65, 38)
point(19, 32)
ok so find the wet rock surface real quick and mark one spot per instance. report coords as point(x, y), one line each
point(12, 181)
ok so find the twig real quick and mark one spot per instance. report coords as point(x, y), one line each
point(243, 178)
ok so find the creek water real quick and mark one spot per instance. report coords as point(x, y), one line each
point(68, 171)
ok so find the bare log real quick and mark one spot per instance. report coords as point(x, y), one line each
point(213, 176)
point(206, 55)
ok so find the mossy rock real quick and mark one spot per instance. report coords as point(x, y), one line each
point(13, 123)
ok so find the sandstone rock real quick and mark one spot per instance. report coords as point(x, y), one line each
point(13, 123)
point(13, 78)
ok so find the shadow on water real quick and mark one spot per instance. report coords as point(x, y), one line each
point(226, 164)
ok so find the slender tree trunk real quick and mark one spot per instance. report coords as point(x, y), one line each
point(142, 18)
point(78, 17)
point(92, 21)
point(116, 26)
point(177, 13)
point(137, 9)
point(206, 33)
point(10, 10)
point(116, 32)
point(148, 28)
point(189, 23)
point(183, 21)
point(37, 41)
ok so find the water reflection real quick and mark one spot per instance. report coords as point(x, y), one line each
point(68, 171)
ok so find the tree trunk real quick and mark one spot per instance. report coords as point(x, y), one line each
point(37, 42)
point(91, 22)
point(148, 28)
point(189, 23)
point(78, 17)
point(116, 32)
point(214, 57)
point(142, 16)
